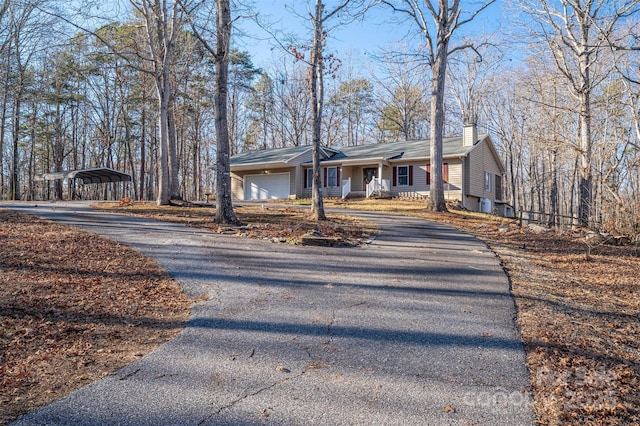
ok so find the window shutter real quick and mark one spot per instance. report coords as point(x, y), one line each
point(428, 174)
point(410, 175)
point(338, 183)
point(325, 177)
point(395, 176)
point(445, 172)
point(306, 179)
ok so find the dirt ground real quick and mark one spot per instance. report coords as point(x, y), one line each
point(578, 305)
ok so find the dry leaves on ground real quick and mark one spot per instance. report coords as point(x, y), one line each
point(580, 321)
point(74, 307)
point(266, 221)
point(579, 315)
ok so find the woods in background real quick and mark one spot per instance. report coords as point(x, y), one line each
point(137, 94)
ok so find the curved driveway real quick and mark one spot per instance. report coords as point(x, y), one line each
point(416, 328)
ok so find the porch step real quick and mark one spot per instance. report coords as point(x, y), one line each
point(380, 195)
point(355, 195)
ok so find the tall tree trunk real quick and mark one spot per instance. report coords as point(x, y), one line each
point(3, 125)
point(554, 202)
point(163, 160)
point(437, 21)
point(143, 143)
point(174, 163)
point(439, 72)
point(224, 204)
point(162, 25)
point(317, 204)
point(15, 173)
point(586, 174)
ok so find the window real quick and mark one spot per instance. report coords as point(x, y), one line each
point(403, 176)
point(331, 177)
point(308, 178)
point(487, 181)
point(445, 173)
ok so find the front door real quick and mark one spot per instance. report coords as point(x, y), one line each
point(369, 173)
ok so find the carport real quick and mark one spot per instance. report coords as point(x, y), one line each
point(100, 175)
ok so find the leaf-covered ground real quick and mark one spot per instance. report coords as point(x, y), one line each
point(281, 223)
point(578, 311)
point(578, 307)
point(580, 322)
point(74, 307)
point(579, 315)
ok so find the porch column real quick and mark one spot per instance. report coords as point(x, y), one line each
point(380, 173)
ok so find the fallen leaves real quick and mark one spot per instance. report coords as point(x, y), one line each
point(276, 224)
point(579, 319)
point(74, 307)
point(580, 322)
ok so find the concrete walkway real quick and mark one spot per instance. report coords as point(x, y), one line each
point(392, 333)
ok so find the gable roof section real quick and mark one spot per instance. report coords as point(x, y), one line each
point(279, 157)
point(420, 150)
point(396, 151)
point(486, 139)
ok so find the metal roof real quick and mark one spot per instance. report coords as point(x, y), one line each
point(97, 175)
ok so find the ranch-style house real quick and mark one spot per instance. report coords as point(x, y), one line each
point(473, 172)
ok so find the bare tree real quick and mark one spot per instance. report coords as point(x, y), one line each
point(220, 53)
point(437, 20)
point(470, 75)
point(577, 33)
point(5, 39)
point(163, 21)
point(26, 30)
point(224, 206)
point(402, 107)
point(316, 64)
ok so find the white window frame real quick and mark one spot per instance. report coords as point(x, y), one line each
point(405, 176)
point(487, 181)
point(331, 184)
point(309, 173)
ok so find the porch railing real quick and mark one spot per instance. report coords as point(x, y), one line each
point(378, 186)
point(346, 188)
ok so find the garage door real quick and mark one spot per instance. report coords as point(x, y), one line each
point(266, 187)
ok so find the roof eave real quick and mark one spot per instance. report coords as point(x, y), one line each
point(293, 157)
point(356, 161)
point(260, 165)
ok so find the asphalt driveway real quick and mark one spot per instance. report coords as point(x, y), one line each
point(416, 328)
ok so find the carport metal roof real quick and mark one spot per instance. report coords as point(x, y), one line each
point(98, 175)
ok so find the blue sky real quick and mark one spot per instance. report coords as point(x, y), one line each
point(379, 30)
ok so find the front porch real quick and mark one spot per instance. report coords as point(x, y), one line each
point(376, 188)
point(364, 182)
